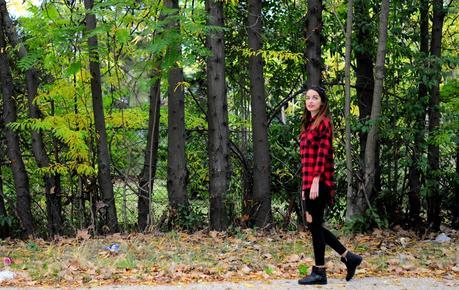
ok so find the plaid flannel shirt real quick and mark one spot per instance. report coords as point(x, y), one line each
point(316, 151)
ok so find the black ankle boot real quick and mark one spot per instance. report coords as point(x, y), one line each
point(352, 261)
point(318, 276)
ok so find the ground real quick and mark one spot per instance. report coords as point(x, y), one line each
point(247, 259)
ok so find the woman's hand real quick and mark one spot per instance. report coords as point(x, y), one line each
point(314, 191)
point(303, 196)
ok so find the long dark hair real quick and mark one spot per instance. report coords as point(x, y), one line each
point(323, 112)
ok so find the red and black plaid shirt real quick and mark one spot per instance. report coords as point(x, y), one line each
point(316, 151)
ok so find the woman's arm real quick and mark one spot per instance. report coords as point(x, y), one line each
point(322, 153)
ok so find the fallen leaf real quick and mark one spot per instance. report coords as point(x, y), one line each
point(293, 258)
point(393, 262)
point(267, 256)
point(83, 234)
point(246, 269)
point(408, 267)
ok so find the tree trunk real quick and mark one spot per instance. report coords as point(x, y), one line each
point(313, 43)
point(433, 154)
point(110, 218)
point(52, 186)
point(370, 149)
point(364, 89)
point(261, 157)
point(147, 176)
point(414, 178)
point(246, 162)
point(364, 68)
point(176, 168)
point(456, 190)
point(21, 180)
point(218, 142)
point(347, 72)
point(4, 226)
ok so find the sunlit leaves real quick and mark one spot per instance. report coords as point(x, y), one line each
point(130, 119)
point(275, 56)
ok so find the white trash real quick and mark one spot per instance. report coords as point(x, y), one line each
point(6, 275)
point(442, 238)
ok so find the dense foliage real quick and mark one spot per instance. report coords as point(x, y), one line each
point(134, 35)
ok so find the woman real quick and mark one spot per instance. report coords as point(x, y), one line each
point(318, 186)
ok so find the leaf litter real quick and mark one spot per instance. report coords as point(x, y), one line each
point(175, 257)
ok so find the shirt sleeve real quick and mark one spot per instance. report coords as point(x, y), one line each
point(324, 148)
point(302, 161)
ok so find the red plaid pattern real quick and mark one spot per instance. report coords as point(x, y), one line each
point(316, 151)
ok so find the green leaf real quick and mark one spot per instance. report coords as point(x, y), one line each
point(122, 35)
point(52, 12)
point(74, 68)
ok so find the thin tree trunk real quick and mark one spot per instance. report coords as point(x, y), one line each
point(313, 43)
point(261, 155)
point(147, 176)
point(52, 186)
point(456, 190)
point(218, 146)
point(347, 76)
point(414, 179)
point(176, 168)
point(370, 149)
point(247, 168)
point(105, 181)
point(21, 180)
point(433, 155)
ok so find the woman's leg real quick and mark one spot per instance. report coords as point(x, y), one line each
point(333, 242)
point(320, 235)
point(318, 274)
point(318, 241)
point(314, 218)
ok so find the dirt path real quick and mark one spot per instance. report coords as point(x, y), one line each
point(388, 283)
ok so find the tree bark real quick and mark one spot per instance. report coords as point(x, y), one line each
point(347, 76)
point(433, 153)
point(147, 176)
point(364, 89)
point(364, 69)
point(456, 190)
point(313, 43)
point(218, 132)
point(21, 180)
point(51, 181)
point(414, 178)
point(370, 149)
point(176, 168)
point(4, 227)
point(110, 218)
point(261, 155)
point(218, 146)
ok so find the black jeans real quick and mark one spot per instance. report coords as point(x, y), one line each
point(320, 235)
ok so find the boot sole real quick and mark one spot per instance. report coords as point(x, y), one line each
point(316, 283)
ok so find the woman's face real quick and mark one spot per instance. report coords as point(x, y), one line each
point(313, 102)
